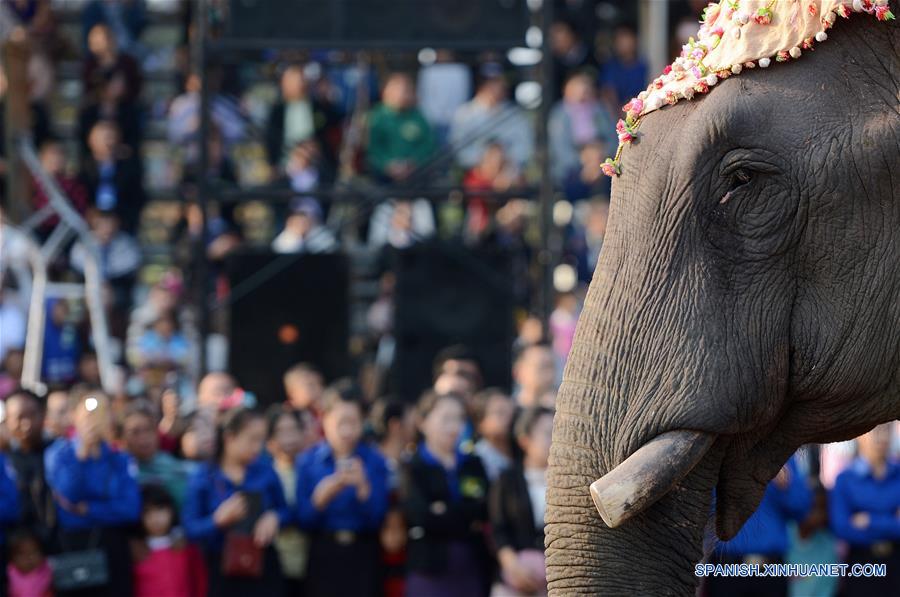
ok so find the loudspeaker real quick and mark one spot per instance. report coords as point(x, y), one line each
point(287, 309)
point(444, 23)
point(449, 294)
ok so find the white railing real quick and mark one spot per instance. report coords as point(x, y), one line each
point(70, 224)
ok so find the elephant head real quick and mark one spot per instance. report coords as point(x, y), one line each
point(746, 302)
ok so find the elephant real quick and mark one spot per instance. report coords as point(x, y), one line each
point(746, 302)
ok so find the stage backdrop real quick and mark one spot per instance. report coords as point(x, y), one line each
point(301, 313)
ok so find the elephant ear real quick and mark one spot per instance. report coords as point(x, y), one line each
point(733, 38)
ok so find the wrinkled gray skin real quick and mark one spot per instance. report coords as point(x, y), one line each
point(771, 320)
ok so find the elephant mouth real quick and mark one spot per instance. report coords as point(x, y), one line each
point(648, 474)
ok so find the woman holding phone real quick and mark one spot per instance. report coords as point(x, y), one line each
point(342, 497)
point(234, 508)
point(96, 494)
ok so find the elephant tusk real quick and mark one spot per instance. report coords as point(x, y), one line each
point(648, 474)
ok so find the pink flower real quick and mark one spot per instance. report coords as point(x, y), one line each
point(763, 16)
point(625, 132)
point(635, 106)
point(812, 9)
point(782, 56)
point(701, 87)
point(883, 13)
point(668, 69)
point(670, 97)
point(843, 11)
point(609, 167)
point(718, 31)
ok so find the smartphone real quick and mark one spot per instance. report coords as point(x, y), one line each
point(253, 500)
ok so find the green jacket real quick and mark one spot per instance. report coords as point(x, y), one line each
point(396, 136)
point(167, 471)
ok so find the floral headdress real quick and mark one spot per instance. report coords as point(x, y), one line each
point(735, 35)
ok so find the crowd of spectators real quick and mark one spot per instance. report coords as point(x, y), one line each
point(451, 121)
point(441, 497)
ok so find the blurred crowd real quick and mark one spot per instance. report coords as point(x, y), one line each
point(171, 479)
point(445, 496)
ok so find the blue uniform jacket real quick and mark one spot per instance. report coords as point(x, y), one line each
point(856, 490)
point(107, 484)
point(345, 512)
point(765, 532)
point(9, 498)
point(209, 487)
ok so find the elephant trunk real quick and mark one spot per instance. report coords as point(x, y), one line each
point(653, 553)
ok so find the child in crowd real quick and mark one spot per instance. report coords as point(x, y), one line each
point(812, 543)
point(62, 345)
point(517, 504)
point(237, 493)
point(164, 563)
point(342, 497)
point(393, 427)
point(57, 419)
point(303, 385)
point(393, 554)
point(493, 419)
point(198, 440)
point(534, 373)
point(28, 572)
point(445, 503)
point(162, 349)
point(286, 439)
point(11, 370)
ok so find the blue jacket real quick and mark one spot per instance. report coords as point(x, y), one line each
point(766, 532)
point(107, 484)
point(209, 487)
point(344, 512)
point(9, 498)
point(856, 490)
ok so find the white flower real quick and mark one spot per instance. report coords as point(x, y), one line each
point(736, 69)
point(821, 36)
point(795, 52)
point(764, 62)
point(711, 80)
point(857, 5)
point(652, 103)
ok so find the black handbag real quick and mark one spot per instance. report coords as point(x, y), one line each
point(81, 569)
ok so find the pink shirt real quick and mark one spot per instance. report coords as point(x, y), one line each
point(37, 583)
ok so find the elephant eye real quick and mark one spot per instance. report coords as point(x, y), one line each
point(738, 178)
